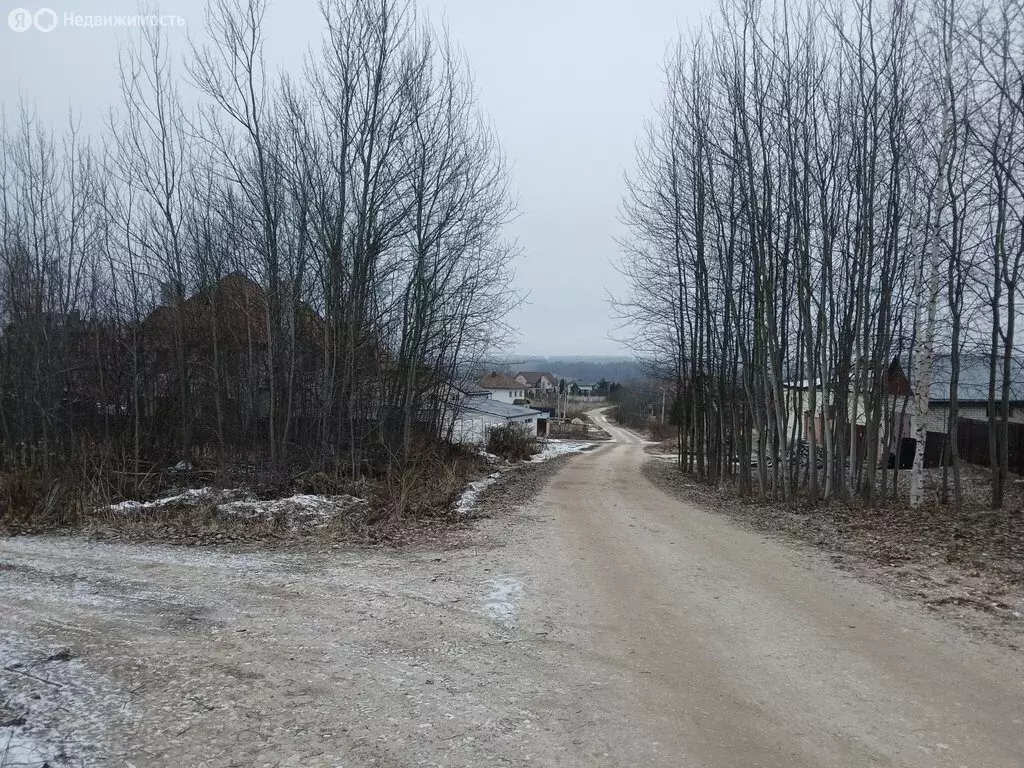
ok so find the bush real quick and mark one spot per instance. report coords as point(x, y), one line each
point(30, 503)
point(512, 443)
point(425, 483)
point(427, 486)
point(661, 432)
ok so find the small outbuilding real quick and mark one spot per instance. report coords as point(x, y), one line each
point(477, 416)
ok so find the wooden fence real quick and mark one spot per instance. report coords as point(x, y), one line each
point(566, 429)
point(972, 445)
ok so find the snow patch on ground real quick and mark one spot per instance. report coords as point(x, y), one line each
point(300, 510)
point(550, 449)
point(500, 604)
point(492, 458)
point(191, 497)
point(555, 448)
point(18, 750)
point(467, 501)
point(59, 702)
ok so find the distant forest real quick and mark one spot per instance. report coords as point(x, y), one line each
point(589, 371)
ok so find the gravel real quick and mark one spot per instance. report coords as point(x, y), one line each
point(321, 654)
point(966, 566)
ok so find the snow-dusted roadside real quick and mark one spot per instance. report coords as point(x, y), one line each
point(301, 511)
point(554, 448)
point(467, 501)
point(308, 512)
point(551, 449)
point(311, 659)
point(136, 618)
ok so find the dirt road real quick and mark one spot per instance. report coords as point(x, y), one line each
point(602, 624)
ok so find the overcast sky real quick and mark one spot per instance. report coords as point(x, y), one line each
point(567, 84)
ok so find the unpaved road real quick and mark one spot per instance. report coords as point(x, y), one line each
point(603, 624)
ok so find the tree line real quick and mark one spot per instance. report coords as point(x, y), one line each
point(259, 269)
point(830, 196)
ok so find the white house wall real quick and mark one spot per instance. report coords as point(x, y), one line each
point(473, 428)
point(507, 395)
point(798, 402)
point(528, 423)
point(938, 416)
point(543, 385)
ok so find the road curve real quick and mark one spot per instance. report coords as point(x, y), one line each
point(619, 434)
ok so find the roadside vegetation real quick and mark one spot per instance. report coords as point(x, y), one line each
point(828, 210)
point(965, 561)
point(197, 507)
point(512, 443)
point(267, 283)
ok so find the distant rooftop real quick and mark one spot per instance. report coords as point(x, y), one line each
point(534, 377)
point(495, 380)
point(497, 408)
point(469, 387)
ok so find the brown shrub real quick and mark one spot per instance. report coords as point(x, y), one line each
point(424, 484)
point(512, 443)
point(31, 502)
point(428, 485)
point(661, 432)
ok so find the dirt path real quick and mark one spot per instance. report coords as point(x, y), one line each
point(604, 624)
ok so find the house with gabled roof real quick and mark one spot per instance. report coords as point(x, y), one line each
point(540, 382)
point(227, 321)
point(502, 387)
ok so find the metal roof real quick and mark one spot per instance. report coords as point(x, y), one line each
point(973, 382)
point(497, 408)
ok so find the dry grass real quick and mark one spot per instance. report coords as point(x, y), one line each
point(424, 486)
point(512, 443)
point(185, 525)
point(29, 502)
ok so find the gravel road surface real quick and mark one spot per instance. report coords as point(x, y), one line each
point(599, 623)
